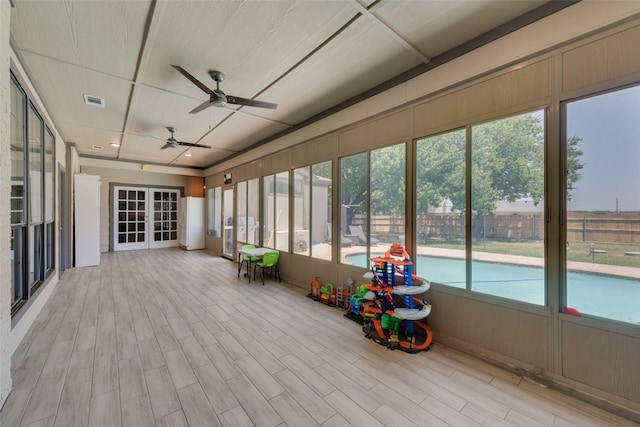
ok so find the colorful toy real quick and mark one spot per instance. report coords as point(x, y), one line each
point(343, 294)
point(314, 288)
point(323, 293)
point(327, 294)
point(395, 317)
point(356, 304)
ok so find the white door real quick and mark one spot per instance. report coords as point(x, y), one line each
point(145, 218)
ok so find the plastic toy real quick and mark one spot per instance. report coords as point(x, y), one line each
point(356, 304)
point(343, 294)
point(325, 294)
point(314, 288)
point(395, 317)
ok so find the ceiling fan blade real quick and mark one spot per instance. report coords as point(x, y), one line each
point(203, 106)
point(193, 79)
point(250, 102)
point(167, 145)
point(189, 144)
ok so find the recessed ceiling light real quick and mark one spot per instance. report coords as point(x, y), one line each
point(188, 154)
point(115, 144)
point(94, 101)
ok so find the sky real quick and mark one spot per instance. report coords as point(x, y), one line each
point(609, 126)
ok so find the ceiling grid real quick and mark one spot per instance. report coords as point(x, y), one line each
point(309, 58)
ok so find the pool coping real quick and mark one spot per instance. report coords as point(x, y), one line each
point(574, 266)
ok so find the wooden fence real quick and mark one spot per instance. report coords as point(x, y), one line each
point(611, 228)
point(605, 228)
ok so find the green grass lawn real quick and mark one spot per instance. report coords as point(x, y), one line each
point(615, 254)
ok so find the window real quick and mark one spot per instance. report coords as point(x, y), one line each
point(282, 211)
point(312, 210)
point(354, 204)
point(248, 205)
point(602, 151)
point(321, 210)
point(49, 200)
point(372, 203)
point(275, 229)
point(387, 183)
point(440, 208)
point(214, 217)
point(17, 135)
point(507, 208)
point(241, 211)
point(32, 147)
point(35, 162)
point(302, 210)
point(268, 209)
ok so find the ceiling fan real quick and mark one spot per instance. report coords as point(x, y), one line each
point(217, 97)
point(171, 141)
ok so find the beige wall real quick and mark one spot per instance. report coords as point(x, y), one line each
point(596, 356)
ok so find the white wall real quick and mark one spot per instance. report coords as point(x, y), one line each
point(12, 331)
point(5, 206)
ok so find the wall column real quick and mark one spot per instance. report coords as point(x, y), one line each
point(5, 204)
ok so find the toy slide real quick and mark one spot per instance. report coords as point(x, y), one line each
point(413, 313)
point(412, 290)
point(375, 306)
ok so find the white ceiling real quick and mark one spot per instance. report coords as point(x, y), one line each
point(306, 56)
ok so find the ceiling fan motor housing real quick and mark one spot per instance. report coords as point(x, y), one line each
point(218, 98)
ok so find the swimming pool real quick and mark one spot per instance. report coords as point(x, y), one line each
point(599, 295)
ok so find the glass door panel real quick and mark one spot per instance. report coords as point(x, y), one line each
point(145, 218)
point(130, 224)
point(164, 211)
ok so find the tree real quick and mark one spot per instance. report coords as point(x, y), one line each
point(511, 152)
point(507, 164)
point(388, 180)
point(440, 171)
point(353, 186)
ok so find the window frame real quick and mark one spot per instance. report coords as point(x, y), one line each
point(467, 289)
point(37, 232)
point(592, 319)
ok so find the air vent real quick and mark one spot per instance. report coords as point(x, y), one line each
point(94, 101)
point(97, 147)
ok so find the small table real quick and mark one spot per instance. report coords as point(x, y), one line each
point(254, 252)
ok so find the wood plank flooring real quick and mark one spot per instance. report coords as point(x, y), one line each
point(173, 338)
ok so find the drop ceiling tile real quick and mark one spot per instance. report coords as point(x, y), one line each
point(360, 58)
point(62, 88)
point(252, 43)
point(84, 33)
point(437, 26)
point(241, 131)
point(154, 109)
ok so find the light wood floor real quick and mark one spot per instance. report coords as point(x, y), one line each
point(173, 338)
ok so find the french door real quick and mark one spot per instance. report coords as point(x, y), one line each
point(144, 218)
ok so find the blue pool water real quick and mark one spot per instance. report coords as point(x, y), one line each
point(599, 295)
